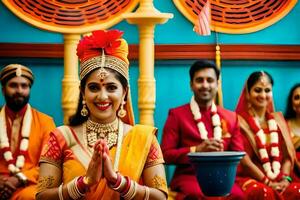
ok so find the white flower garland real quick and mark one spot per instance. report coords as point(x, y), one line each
point(215, 120)
point(14, 167)
point(272, 171)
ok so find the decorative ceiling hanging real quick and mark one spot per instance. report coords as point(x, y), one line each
point(238, 16)
point(71, 16)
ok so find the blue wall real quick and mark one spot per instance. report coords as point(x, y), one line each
point(171, 76)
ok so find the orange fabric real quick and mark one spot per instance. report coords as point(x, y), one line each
point(133, 157)
point(27, 193)
point(135, 150)
point(41, 126)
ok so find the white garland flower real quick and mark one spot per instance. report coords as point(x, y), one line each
point(201, 127)
point(272, 171)
point(4, 143)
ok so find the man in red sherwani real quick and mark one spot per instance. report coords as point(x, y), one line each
point(199, 126)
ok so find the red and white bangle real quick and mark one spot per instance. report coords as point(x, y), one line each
point(73, 190)
point(131, 192)
point(126, 187)
point(117, 183)
point(81, 185)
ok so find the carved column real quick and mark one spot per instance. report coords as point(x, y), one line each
point(70, 82)
point(146, 17)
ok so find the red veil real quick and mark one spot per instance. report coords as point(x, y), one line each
point(243, 105)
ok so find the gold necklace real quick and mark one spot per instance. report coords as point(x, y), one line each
point(119, 142)
point(95, 131)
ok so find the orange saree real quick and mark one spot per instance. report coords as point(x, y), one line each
point(74, 157)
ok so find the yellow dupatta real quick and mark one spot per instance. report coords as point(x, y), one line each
point(135, 148)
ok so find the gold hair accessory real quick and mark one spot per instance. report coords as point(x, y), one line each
point(84, 111)
point(102, 73)
point(111, 62)
point(263, 78)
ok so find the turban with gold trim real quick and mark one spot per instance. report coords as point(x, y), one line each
point(103, 49)
point(106, 49)
point(13, 70)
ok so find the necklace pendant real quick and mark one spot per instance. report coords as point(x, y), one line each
point(91, 139)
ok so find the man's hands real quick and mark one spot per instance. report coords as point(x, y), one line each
point(210, 145)
point(8, 185)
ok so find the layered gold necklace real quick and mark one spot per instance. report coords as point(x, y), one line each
point(95, 131)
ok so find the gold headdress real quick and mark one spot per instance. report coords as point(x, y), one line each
point(106, 49)
point(14, 70)
point(103, 49)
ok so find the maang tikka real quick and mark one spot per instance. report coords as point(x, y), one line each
point(102, 72)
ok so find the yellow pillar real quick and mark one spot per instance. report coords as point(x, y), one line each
point(70, 82)
point(146, 17)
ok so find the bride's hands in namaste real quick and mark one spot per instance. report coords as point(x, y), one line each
point(95, 172)
point(108, 170)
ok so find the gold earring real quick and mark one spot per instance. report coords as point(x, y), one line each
point(122, 111)
point(84, 111)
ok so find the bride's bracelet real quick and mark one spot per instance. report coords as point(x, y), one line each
point(73, 189)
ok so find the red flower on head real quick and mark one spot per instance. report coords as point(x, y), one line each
point(90, 46)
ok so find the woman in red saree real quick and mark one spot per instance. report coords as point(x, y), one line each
point(266, 170)
point(101, 154)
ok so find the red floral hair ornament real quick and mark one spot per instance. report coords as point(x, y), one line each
point(100, 40)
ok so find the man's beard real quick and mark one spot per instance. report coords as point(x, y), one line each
point(16, 102)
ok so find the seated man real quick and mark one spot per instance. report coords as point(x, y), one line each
point(23, 131)
point(199, 126)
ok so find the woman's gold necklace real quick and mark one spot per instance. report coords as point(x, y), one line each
point(96, 131)
point(119, 141)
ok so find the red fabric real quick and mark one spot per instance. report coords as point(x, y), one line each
point(243, 106)
point(260, 191)
point(250, 152)
point(90, 46)
point(181, 132)
point(10, 117)
point(52, 150)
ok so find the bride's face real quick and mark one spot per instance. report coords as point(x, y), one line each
point(103, 96)
point(260, 93)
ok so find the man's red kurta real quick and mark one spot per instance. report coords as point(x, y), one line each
point(181, 132)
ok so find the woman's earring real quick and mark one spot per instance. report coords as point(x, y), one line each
point(84, 111)
point(122, 111)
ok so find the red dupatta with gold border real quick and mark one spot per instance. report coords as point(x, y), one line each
point(242, 110)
